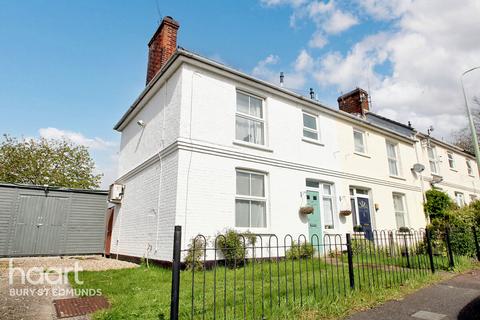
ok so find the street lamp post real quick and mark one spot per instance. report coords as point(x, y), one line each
point(470, 120)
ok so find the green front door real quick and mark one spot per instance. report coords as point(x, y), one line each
point(314, 222)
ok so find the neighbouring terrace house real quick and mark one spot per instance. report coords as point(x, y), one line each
point(208, 147)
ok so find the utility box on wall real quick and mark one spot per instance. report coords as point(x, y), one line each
point(38, 220)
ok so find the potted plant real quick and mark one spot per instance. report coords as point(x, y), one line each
point(306, 210)
point(346, 213)
point(358, 228)
point(404, 230)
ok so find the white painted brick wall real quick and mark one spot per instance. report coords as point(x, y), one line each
point(147, 213)
point(197, 189)
point(161, 116)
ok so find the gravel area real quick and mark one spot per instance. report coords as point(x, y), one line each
point(87, 263)
point(20, 299)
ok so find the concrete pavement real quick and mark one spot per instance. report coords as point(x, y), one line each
point(456, 298)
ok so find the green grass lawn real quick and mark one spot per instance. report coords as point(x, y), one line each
point(299, 288)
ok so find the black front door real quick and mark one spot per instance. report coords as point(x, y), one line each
point(364, 216)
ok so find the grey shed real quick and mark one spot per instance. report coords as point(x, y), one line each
point(37, 220)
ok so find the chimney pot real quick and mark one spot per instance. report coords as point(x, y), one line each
point(162, 46)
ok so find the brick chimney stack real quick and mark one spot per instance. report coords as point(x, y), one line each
point(354, 102)
point(162, 46)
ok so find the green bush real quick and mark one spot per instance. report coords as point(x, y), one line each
point(233, 247)
point(300, 251)
point(461, 235)
point(195, 252)
point(444, 214)
point(438, 204)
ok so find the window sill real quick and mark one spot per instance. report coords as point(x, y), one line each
point(317, 142)
point(471, 175)
point(362, 155)
point(258, 231)
point(251, 145)
point(453, 169)
point(436, 175)
point(398, 178)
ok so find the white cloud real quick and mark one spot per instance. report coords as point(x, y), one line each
point(426, 53)
point(327, 16)
point(267, 70)
point(304, 61)
point(293, 3)
point(318, 40)
point(76, 137)
point(339, 21)
point(384, 9)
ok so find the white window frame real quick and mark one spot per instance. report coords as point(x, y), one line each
point(433, 161)
point(469, 167)
point(317, 124)
point(405, 209)
point(251, 118)
point(252, 198)
point(451, 160)
point(364, 139)
point(322, 196)
point(460, 197)
point(396, 159)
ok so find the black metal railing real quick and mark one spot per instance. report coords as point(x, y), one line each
point(256, 276)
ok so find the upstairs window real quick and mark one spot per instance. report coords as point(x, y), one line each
point(359, 141)
point(451, 161)
point(469, 168)
point(399, 207)
point(432, 159)
point(249, 119)
point(310, 126)
point(250, 200)
point(393, 162)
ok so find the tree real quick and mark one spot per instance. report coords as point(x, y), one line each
point(463, 137)
point(58, 163)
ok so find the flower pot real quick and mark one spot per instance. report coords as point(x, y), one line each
point(306, 210)
point(345, 213)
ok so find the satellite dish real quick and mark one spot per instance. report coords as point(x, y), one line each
point(418, 167)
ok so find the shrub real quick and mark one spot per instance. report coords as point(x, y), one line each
point(358, 228)
point(359, 246)
point(438, 203)
point(193, 259)
point(299, 251)
point(461, 236)
point(459, 221)
point(233, 247)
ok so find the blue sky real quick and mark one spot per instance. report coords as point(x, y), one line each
point(74, 67)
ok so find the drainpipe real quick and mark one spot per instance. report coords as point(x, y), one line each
point(422, 188)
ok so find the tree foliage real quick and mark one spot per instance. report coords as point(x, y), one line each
point(58, 163)
point(463, 137)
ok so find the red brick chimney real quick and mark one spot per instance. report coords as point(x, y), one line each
point(162, 46)
point(355, 102)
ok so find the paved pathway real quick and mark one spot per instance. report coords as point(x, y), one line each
point(457, 298)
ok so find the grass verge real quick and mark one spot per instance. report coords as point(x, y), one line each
point(144, 293)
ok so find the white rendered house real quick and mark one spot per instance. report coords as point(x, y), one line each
point(209, 148)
